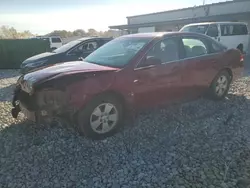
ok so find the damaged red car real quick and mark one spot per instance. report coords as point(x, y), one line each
point(127, 74)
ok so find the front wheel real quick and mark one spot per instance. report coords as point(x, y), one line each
point(220, 85)
point(101, 118)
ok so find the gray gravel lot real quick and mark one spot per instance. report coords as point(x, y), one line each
point(201, 144)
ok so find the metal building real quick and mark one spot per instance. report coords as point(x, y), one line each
point(237, 10)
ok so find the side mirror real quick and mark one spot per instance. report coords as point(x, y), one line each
point(151, 61)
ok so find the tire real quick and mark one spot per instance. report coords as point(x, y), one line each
point(220, 86)
point(94, 113)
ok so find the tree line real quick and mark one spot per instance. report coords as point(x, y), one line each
point(11, 33)
point(81, 32)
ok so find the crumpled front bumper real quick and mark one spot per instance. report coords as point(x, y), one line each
point(16, 109)
point(21, 108)
point(18, 106)
point(26, 104)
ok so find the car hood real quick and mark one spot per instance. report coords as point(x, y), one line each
point(39, 57)
point(62, 69)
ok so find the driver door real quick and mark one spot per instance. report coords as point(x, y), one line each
point(156, 84)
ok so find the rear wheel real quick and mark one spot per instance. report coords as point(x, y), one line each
point(220, 85)
point(101, 118)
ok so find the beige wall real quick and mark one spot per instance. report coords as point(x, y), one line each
point(214, 9)
point(167, 28)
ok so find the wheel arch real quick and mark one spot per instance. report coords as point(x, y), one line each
point(230, 72)
point(116, 94)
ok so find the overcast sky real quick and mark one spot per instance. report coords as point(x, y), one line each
point(43, 16)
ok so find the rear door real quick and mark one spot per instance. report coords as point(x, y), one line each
point(157, 84)
point(200, 64)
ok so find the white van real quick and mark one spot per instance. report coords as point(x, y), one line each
point(231, 34)
point(55, 41)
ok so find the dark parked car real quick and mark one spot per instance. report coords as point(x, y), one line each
point(71, 51)
point(128, 73)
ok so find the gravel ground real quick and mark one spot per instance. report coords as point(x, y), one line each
point(201, 144)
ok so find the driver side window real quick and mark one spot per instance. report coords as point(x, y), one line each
point(89, 46)
point(164, 51)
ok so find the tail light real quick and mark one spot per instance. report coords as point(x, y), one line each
point(241, 57)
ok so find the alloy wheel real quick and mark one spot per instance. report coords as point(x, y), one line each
point(104, 118)
point(221, 85)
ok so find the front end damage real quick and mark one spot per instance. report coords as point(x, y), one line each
point(41, 105)
point(47, 94)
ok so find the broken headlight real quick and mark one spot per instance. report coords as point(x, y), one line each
point(27, 86)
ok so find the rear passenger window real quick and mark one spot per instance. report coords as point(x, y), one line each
point(240, 30)
point(194, 47)
point(56, 40)
point(236, 29)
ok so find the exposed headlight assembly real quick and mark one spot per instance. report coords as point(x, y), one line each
point(27, 86)
point(37, 63)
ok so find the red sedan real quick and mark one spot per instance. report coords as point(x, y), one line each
point(126, 74)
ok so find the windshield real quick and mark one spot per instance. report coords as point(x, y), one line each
point(117, 53)
point(67, 46)
point(196, 29)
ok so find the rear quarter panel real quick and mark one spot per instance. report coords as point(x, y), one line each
point(236, 65)
point(231, 59)
point(228, 60)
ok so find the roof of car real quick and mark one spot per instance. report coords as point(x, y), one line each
point(87, 38)
point(160, 34)
point(151, 34)
point(205, 23)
